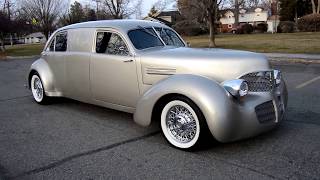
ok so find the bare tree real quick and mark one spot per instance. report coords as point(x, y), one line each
point(44, 13)
point(138, 11)
point(236, 4)
point(117, 8)
point(160, 5)
point(206, 10)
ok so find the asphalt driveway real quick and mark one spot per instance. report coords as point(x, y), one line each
point(73, 140)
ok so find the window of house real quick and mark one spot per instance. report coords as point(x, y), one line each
point(111, 43)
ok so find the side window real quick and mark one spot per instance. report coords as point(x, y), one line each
point(61, 42)
point(111, 43)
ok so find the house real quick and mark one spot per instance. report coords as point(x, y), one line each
point(37, 37)
point(169, 17)
point(252, 16)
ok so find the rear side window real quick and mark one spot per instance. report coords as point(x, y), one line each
point(111, 43)
point(61, 42)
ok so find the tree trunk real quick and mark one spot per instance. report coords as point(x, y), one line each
point(46, 34)
point(212, 35)
point(318, 9)
point(2, 46)
point(313, 7)
point(236, 13)
point(11, 40)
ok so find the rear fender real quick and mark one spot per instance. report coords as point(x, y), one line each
point(42, 68)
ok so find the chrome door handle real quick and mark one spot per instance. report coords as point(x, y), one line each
point(130, 60)
point(44, 54)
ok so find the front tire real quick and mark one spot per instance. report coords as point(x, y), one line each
point(37, 89)
point(183, 124)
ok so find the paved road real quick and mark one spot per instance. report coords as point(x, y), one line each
point(73, 140)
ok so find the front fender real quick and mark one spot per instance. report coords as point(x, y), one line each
point(213, 100)
point(46, 75)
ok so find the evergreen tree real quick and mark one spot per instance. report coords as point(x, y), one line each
point(76, 13)
point(290, 9)
point(287, 10)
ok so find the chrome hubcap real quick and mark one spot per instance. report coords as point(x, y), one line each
point(181, 124)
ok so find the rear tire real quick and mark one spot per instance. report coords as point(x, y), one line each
point(37, 89)
point(183, 124)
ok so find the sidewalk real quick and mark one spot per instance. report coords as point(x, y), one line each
point(294, 56)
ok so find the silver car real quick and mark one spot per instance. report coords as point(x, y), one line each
point(146, 68)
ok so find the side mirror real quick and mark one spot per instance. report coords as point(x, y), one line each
point(188, 44)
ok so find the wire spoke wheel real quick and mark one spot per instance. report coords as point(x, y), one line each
point(37, 88)
point(180, 124)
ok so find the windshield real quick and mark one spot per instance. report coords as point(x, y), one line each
point(143, 38)
point(169, 37)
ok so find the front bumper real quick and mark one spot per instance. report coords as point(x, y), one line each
point(257, 113)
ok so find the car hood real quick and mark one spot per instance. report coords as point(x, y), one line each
point(217, 64)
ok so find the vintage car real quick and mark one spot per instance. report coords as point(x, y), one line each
point(145, 68)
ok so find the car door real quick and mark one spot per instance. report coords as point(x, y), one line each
point(113, 72)
point(54, 55)
point(78, 64)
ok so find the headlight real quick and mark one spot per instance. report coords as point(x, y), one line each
point(237, 87)
point(277, 76)
point(243, 89)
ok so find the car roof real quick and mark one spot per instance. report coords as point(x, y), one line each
point(122, 24)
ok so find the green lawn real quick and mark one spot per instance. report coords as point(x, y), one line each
point(24, 50)
point(278, 43)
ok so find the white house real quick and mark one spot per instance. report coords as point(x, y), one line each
point(251, 16)
point(37, 37)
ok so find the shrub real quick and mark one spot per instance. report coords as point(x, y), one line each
point(309, 22)
point(262, 27)
point(286, 27)
point(189, 28)
point(245, 29)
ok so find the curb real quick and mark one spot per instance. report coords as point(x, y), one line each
point(21, 57)
point(293, 56)
point(293, 60)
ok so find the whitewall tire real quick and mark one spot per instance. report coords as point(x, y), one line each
point(37, 89)
point(181, 122)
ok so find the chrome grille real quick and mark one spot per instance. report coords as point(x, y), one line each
point(259, 81)
point(265, 112)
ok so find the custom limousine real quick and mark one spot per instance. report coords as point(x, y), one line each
point(146, 68)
